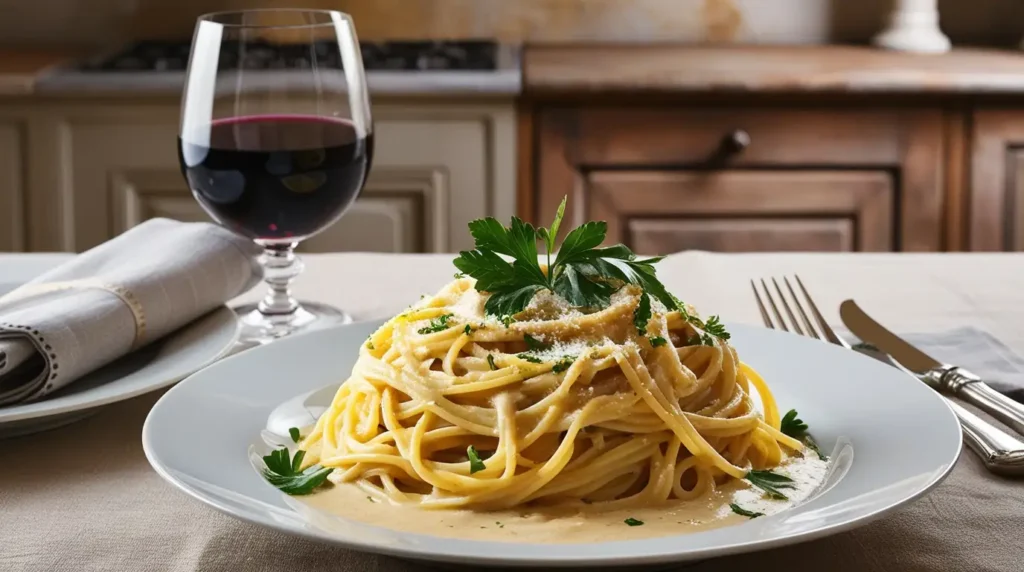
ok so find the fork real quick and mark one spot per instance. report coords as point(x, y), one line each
point(999, 451)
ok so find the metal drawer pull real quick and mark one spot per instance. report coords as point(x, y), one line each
point(737, 141)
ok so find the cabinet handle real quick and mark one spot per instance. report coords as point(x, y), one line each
point(737, 141)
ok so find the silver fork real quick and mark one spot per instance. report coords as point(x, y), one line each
point(999, 451)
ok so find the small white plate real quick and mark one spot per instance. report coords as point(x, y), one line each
point(904, 437)
point(152, 367)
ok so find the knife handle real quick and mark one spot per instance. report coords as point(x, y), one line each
point(978, 393)
point(1001, 452)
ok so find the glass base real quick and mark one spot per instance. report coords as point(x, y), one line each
point(259, 328)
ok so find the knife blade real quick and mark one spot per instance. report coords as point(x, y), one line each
point(870, 331)
point(942, 376)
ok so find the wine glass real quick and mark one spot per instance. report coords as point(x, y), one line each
point(276, 141)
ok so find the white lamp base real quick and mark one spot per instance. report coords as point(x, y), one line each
point(914, 27)
point(909, 40)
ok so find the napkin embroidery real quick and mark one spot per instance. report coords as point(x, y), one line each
point(44, 348)
point(126, 296)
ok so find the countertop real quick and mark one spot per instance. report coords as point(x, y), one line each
point(21, 68)
point(603, 69)
point(83, 497)
point(767, 69)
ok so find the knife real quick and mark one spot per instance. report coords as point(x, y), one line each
point(1001, 453)
point(944, 377)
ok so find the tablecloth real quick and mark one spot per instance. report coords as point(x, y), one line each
point(83, 498)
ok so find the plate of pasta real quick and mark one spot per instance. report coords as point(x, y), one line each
point(555, 407)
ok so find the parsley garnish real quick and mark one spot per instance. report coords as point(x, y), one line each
point(642, 314)
point(475, 464)
point(284, 473)
point(658, 341)
point(438, 324)
point(814, 447)
point(744, 512)
point(795, 427)
point(467, 330)
point(633, 522)
point(770, 483)
point(792, 425)
point(529, 358)
point(459, 275)
point(507, 320)
point(716, 328)
point(582, 274)
point(294, 433)
point(563, 364)
point(490, 361)
point(533, 343)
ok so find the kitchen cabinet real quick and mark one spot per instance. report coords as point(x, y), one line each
point(670, 178)
point(996, 198)
point(12, 183)
point(103, 167)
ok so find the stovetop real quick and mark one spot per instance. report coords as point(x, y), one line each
point(463, 55)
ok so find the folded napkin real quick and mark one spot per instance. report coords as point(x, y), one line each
point(970, 348)
point(115, 298)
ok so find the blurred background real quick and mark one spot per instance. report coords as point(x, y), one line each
point(725, 125)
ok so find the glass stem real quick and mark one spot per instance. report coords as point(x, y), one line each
point(280, 267)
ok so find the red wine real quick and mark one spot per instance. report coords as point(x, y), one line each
point(276, 177)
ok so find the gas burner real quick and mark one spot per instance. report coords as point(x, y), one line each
point(467, 55)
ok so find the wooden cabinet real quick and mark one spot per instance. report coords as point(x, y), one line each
point(656, 212)
point(103, 168)
point(996, 197)
point(12, 184)
point(742, 179)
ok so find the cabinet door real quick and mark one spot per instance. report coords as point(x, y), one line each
point(12, 187)
point(996, 197)
point(106, 169)
point(746, 179)
point(660, 212)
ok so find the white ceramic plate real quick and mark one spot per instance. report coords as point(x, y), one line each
point(155, 366)
point(904, 437)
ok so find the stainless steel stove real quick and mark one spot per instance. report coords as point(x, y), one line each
point(469, 55)
point(462, 66)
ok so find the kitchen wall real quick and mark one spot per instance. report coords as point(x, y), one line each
point(99, 22)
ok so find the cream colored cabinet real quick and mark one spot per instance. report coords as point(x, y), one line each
point(104, 168)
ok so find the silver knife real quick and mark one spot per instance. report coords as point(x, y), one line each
point(944, 377)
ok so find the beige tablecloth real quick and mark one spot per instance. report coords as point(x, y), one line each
point(83, 497)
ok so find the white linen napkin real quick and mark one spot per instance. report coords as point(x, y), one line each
point(115, 298)
point(970, 348)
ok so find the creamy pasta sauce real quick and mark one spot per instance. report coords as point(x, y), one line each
point(570, 525)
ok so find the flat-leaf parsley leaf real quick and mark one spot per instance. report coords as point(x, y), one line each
point(533, 343)
point(792, 425)
point(284, 473)
point(770, 483)
point(744, 512)
point(583, 274)
point(438, 324)
point(475, 463)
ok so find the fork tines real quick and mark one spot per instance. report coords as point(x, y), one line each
point(785, 319)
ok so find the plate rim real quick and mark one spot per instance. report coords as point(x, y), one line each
point(225, 313)
point(526, 561)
